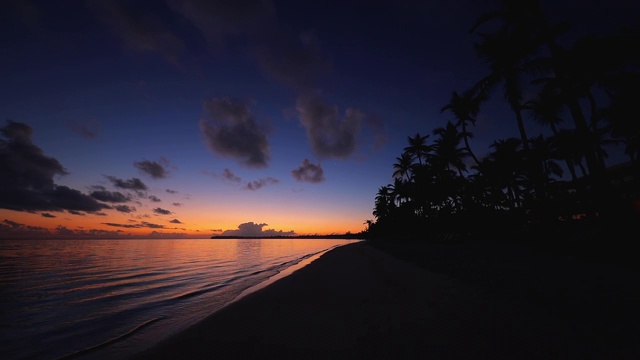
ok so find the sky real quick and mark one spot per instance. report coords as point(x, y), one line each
point(193, 118)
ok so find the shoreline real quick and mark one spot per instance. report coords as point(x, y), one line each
point(357, 301)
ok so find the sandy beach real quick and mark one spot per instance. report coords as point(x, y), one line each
point(358, 302)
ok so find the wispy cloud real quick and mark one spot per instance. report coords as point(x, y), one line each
point(154, 169)
point(161, 211)
point(109, 196)
point(260, 183)
point(140, 30)
point(130, 184)
point(87, 129)
point(229, 175)
point(125, 208)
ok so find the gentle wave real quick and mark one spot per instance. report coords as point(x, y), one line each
point(94, 299)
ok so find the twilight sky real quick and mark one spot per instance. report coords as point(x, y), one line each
point(189, 118)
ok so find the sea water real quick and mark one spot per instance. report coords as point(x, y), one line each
point(93, 299)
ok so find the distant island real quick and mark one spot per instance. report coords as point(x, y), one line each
point(348, 235)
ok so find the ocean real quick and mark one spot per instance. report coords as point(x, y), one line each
point(99, 299)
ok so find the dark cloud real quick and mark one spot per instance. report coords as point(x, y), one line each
point(140, 30)
point(11, 229)
point(230, 130)
point(293, 59)
point(257, 184)
point(308, 172)
point(47, 215)
point(229, 175)
point(110, 196)
point(154, 198)
point(131, 184)
point(152, 168)
point(125, 208)
point(73, 212)
point(161, 211)
point(177, 204)
point(219, 21)
point(176, 221)
point(142, 224)
point(170, 191)
point(251, 229)
point(331, 135)
point(26, 179)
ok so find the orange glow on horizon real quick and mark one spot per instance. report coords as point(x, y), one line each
point(192, 224)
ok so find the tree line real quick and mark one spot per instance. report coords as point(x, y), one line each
point(585, 94)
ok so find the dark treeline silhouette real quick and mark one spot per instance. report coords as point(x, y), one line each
point(586, 94)
point(348, 235)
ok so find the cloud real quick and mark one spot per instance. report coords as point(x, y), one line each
point(110, 196)
point(125, 208)
point(170, 191)
point(294, 59)
point(142, 224)
point(47, 215)
point(177, 204)
point(73, 212)
point(229, 175)
point(218, 20)
point(176, 221)
point(140, 30)
point(251, 229)
point(154, 198)
point(257, 184)
point(161, 211)
point(152, 168)
point(88, 129)
point(26, 179)
point(330, 134)
point(131, 184)
point(230, 130)
point(308, 172)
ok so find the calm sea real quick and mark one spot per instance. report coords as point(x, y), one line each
point(95, 299)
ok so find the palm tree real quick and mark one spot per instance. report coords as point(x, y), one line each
point(506, 167)
point(447, 150)
point(465, 108)
point(402, 168)
point(507, 56)
point(547, 109)
point(383, 204)
point(418, 147)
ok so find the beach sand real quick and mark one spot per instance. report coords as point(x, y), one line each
point(358, 302)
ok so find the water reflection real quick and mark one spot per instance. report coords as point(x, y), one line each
point(248, 250)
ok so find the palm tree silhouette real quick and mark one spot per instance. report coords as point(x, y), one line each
point(418, 147)
point(465, 108)
point(402, 168)
point(447, 150)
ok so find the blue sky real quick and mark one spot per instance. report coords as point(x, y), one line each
point(229, 100)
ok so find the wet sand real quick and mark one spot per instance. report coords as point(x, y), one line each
point(358, 302)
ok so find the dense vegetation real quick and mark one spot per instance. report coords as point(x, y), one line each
point(585, 92)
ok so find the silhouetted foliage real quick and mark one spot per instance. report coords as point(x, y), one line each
point(516, 191)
